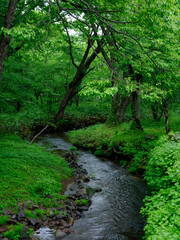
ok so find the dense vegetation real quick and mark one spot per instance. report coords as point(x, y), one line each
point(162, 175)
point(69, 64)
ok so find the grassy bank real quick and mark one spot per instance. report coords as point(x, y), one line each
point(129, 146)
point(29, 175)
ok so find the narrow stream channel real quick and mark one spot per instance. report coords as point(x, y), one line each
point(114, 213)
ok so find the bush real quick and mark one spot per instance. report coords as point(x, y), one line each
point(162, 208)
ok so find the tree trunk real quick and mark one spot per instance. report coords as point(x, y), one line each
point(71, 92)
point(136, 104)
point(157, 111)
point(5, 40)
point(136, 110)
point(80, 73)
point(118, 108)
point(122, 107)
point(166, 114)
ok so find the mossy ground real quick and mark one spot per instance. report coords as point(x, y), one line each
point(29, 173)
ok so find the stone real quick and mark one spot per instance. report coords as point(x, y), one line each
point(64, 223)
point(60, 234)
point(33, 221)
point(21, 215)
point(71, 208)
point(71, 221)
point(97, 189)
point(82, 191)
point(35, 238)
point(82, 209)
point(86, 179)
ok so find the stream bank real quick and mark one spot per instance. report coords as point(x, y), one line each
point(114, 211)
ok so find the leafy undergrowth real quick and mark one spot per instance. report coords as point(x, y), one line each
point(162, 207)
point(23, 122)
point(29, 173)
point(129, 144)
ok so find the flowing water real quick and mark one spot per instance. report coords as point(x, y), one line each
point(114, 213)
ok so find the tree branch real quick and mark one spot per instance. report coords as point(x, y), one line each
point(69, 41)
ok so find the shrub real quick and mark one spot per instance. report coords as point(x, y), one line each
point(162, 207)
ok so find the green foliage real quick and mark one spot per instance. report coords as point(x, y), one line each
point(83, 202)
point(123, 140)
point(29, 173)
point(162, 170)
point(162, 206)
point(98, 152)
point(73, 149)
point(30, 214)
point(3, 219)
point(14, 232)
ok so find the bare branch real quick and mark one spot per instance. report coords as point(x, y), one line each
point(135, 39)
point(89, 70)
point(38, 134)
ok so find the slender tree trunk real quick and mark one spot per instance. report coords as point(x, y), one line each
point(71, 92)
point(5, 40)
point(136, 110)
point(166, 114)
point(18, 107)
point(157, 111)
point(82, 70)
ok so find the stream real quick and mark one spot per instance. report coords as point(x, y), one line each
point(114, 212)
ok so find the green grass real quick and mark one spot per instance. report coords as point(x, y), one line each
point(29, 173)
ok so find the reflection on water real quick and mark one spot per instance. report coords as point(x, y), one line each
point(114, 213)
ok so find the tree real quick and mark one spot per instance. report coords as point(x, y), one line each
point(5, 38)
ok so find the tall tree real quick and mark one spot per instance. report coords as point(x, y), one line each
point(5, 38)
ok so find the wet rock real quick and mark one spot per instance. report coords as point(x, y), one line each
point(97, 189)
point(44, 218)
point(71, 221)
point(82, 209)
point(64, 223)
point(86, 179)
point(35, 238)
point(71, 208)
point(12, 221)
point(69, 193)
point(34, 206)
point(33, 221)
point(14, 216)
point(60, 234)
point(92, 190)
point(72, 197)
point(58, 216)
point(82, 191)
point(21, 215)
